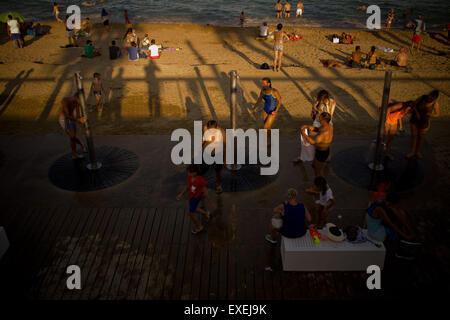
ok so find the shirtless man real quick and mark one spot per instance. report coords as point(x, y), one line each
point(68, 122)
point(300, 8)
point(279, 36)
point(400, 59)
point(371, 58)
point(287, 9)
point(355, 60)
point(278, 8)
point(213, 136)
point(321, 141)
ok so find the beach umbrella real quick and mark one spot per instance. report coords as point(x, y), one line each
point(17, 16)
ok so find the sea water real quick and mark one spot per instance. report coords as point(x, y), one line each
point(317, 13)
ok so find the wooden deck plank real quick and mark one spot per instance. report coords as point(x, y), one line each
point(95, 260)
point(259, 273)
point(58, 284)
point(181, 260)
point(58, 250)
point(82, 248)
point(8, 215)
point(119, 289)
point(136, 269)
point(204, 274)
point(90, 239)
point(148, 256)
point(194, 255)
point(231, 272)
point(47, 245)
point(113, 252)
point(223, 275)
point(16, 256)
point(169, 281)
point(119, 263)
point(161, 257)
point(33, 248)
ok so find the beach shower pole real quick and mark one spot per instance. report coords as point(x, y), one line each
point(377, 161)
point(93, 163)
point(233, 93)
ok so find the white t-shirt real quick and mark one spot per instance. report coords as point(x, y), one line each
point(324, 199)
point(154, 50)
point(13, 26)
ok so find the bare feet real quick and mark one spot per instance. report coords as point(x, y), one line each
point(196, 231)
point(419, 155)
point(410, 155)
point(390, 156)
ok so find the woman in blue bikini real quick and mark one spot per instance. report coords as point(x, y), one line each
point(272, 102)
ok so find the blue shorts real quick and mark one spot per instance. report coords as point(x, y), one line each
point(15, 36)
point(193, 204)
point(97, 93)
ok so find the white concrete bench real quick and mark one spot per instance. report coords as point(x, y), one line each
point(301, 254)
point(4, 243)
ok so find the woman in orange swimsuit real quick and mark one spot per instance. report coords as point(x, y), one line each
point(395, 112)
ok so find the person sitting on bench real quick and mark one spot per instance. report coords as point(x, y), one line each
point(293, 215)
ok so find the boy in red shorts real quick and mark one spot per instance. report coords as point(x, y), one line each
point(419, 29)
point(197, 188)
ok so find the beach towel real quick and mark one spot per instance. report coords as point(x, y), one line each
point(295, 37)
point(386, 49)
point(172, 49)
point(307, 152)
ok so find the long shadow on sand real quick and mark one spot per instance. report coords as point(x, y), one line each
point(11, 89)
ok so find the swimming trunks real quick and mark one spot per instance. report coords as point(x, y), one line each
point(68, 124)
point(193, 204)
point(15, 36)
point(287, 11)
point(97, 93)
point(299, 11)
point(270, 103)
point(322, 155)
point(278, 11)
point(106, 22)
point(416, 38)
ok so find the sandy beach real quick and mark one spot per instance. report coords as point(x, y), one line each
point(157, 96)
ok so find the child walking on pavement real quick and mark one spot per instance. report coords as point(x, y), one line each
point(197, 188)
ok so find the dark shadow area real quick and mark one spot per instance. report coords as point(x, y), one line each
point(39, 31)
point(114, 94)
point(154, 101)
point(11, 89)
point(241, 54)
point(437, 36)
point(205, 93)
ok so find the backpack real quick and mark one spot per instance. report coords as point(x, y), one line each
point(265, 66)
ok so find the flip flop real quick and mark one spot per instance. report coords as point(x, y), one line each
point(194, 232)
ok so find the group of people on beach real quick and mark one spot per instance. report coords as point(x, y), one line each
point(286, 9)
point(383, 218)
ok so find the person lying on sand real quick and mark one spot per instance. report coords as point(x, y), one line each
point(88, 4)
point(330, 63)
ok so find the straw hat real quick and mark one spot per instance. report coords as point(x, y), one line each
point(334, 233)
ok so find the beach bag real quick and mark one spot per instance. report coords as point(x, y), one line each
point(264, 66)
point(335, 38)
point(307, 151)
point(277, 221)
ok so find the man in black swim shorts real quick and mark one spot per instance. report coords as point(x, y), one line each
point(322, 141)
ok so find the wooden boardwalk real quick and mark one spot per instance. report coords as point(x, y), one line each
point(150, 253)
